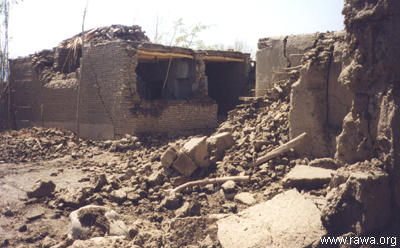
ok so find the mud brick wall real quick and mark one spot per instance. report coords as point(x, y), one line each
point(58, 108)
point(279, 52)
point(25, 93)
point(176, 116)
point(35, 105)
point(100, 93)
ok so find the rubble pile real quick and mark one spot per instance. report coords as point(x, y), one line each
point(34, 144)
point(108, 33)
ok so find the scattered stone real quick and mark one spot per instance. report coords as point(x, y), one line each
point(184, 164)
point(133, 196)
point(245, 198)
point(156, 178)
point(196, 148)
point(75, 196)
point(168, 157)
point(34, 214)
point(189, 209)
point(114, 182)
point(287, 220)
point(23, 228)
point(229, 186)
point(327, 163)
point(118, 195)
point(229, 207)
point(99, 181)
point(41, 189)
point(172, 201)
point(307, 177)
point(209, 188)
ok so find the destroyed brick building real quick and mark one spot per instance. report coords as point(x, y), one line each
point(127, 85)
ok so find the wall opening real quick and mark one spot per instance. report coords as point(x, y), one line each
point(67, 60)
point(226, 81)
point(165, 79)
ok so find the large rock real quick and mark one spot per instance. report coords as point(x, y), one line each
point(359, 202)
point(168, 157)
point(184, 164)
point(287, 220)
point(218, 143)
point(95, 221)
point(196, 148)
point(308, 177)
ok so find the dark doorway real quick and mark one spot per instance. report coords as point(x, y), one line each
point(165, 79)
point(226, 82)
point(150, 79)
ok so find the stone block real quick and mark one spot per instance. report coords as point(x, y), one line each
point(219, 143)
point(168, 157)
point(307, 177)
point(196, 148)
point(184, 164)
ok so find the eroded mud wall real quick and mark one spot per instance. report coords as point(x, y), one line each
point(276, 53)
point(371, 70)
point(319, 102)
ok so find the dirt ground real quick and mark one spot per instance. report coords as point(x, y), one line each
point(137, 184)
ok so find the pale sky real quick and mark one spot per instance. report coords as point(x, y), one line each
point(42, 24)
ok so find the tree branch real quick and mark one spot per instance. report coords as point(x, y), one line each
point(281, 149)
point(210, 181)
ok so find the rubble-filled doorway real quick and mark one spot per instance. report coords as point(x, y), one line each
point(226, 81)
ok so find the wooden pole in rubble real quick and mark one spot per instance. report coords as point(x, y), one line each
point(80, 71)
